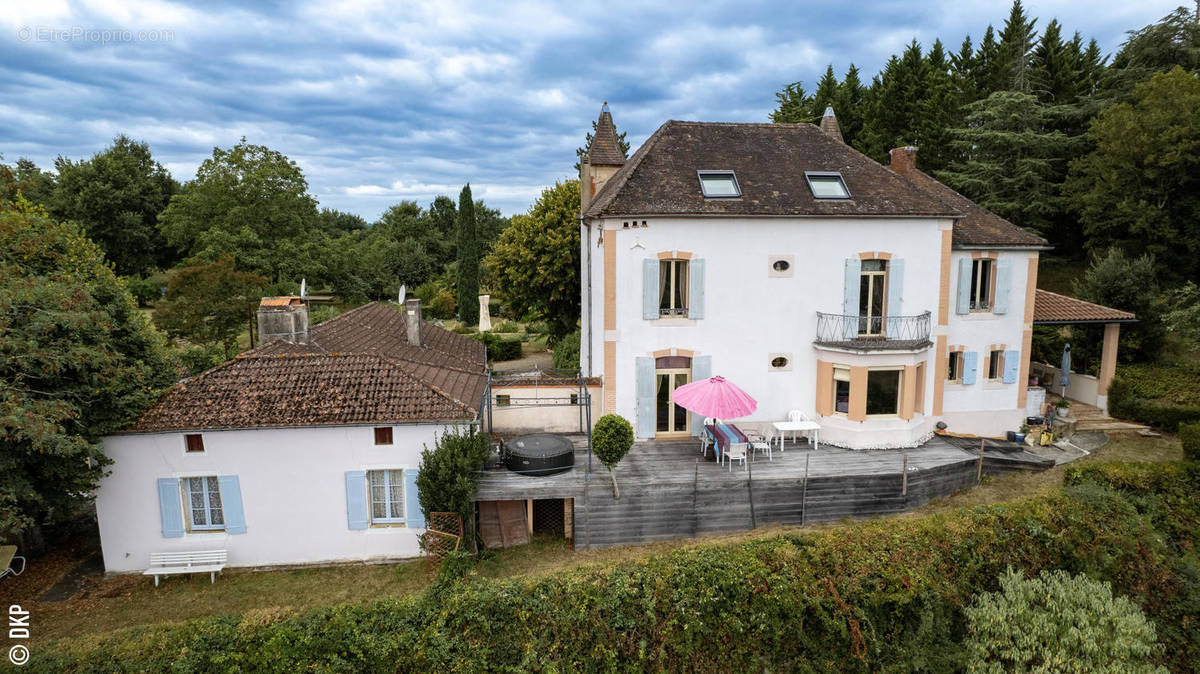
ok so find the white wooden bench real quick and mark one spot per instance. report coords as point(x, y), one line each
point(199, 561)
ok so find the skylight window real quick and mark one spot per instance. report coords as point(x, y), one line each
point(719, 184)
point(827, 185)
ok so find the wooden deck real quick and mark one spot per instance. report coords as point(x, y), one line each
point(669, 491)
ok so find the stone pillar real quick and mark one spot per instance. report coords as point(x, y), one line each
point(485, 318)
point(1108, 364)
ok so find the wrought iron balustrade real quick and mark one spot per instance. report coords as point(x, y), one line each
point(869, 333)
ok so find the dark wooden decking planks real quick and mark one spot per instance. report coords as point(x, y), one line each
point(668, 491)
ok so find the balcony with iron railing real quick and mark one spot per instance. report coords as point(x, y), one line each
point(874, 333)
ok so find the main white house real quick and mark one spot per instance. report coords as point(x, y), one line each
point(872, 298)
point(305, 450)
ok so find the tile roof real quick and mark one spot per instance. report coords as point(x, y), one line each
point(300, 390)
point(1051, 308)
point(770, 161)
point(357, 368)
point(605, 149)
point(978, 226)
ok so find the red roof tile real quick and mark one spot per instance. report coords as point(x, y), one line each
point(1050, 308)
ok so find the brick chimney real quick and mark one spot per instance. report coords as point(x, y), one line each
point(903, 160)
point(602, 159)
point(829, 124)
point(412, 321)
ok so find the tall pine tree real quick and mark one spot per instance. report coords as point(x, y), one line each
point(468, 259)
point(1017, 41)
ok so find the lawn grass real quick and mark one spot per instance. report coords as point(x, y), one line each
point(126, 601)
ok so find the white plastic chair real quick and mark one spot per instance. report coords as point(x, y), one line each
point(706, 440)
point(759, 443)
point(735, 452)
point(797, 415)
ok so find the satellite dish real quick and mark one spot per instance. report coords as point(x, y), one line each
point(402, 295)
point(303, 287)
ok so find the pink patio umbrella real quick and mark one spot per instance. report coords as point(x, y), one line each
point(715, 397)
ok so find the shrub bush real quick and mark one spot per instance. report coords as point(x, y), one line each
point(499, 349)
point(538, 328)
point(506, 327)
point(1189, 436)
point(146, 291)
point(198, 358)
point(1057, 621)
point(322, 313)
point(566, 352)
point(1167, 414)
point(883, 595)
point(449, 475)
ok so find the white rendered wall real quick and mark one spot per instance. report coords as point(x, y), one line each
point(540, 409)
point(293, 494)
point(987, 407)
point(748, 313)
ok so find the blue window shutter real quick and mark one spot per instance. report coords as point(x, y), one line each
point(645, 397)
point(1003, 284)
point(701, 369)
point(895, 294)
point(1012, 365)
point(356, 499)
point(970, 367)
point(650, 289)
point(696, 288)
point(413, 515)
point(231, 504)
point(170, 507)
point(850, 302)
point(963, 305)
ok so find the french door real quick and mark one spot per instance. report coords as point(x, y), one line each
point(671, 419)
point(871, 293)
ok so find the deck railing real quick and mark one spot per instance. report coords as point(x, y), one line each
point(873, 332)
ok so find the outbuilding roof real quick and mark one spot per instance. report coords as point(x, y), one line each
point(1051, 309)
point(358, 368)
point(770, 161)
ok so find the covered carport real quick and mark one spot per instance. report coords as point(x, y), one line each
point(1055, 309)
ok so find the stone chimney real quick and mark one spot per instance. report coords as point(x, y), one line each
point(602, 159)
point(412, 321)
point(829, 124)
point(903, 160)
point(283, 318)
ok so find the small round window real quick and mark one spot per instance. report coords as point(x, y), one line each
point(779, 361)
point(780, 265)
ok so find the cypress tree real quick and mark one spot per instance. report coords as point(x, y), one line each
point(468, 259)
point(851, 101)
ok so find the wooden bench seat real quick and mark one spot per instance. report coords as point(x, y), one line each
point(198, 561)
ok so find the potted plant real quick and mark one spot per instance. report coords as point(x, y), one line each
point(1022, 433)
point(1062, 406)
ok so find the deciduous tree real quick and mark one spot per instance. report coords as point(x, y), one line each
point(116, 197)
point(77, 361)
point(535, 263)
point(209, 303)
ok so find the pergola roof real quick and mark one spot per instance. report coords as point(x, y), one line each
point(1054, 309)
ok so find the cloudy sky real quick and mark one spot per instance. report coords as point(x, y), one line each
point(390, 100)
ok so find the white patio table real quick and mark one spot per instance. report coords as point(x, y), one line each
point(812, 428)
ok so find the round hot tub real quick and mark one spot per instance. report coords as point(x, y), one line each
point(540, 454)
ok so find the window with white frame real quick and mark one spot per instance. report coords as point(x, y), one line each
point(387, 496)
point(203, 498)
point(981, 284)
point(673, 287)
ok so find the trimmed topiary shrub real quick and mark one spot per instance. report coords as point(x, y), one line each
point(1189, 436)
point(612, 438)
point(1159, 395)
point(1057, 622)
point(499, 349)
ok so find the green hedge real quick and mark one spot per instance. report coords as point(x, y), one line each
point(1124, 403)
point(499, 348)
point(885, 594)
point(1189, 435)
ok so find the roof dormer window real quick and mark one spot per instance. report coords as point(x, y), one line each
point(719, 185)
point(827, 185)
